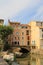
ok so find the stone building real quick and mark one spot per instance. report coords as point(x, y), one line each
point(21, 34)
point(36, 35)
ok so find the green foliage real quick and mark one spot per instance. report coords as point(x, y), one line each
point(5, 31)
point(14, 57)
point(6, 46)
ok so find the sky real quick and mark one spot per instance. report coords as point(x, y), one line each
point(21, 10)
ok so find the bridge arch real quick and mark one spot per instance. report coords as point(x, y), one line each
point(24, 50)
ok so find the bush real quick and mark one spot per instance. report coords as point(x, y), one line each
point(6, 46)
point(14, 57)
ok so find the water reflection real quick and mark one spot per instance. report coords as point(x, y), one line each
point(31, 60)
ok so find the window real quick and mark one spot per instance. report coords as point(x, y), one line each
point(41, 43)
point(18, 38)
point(33, 42)
point(42, 30)
point(12, 43)
point(15, 38)
point(27, 32)
point(18, 43)
point(17, 33)
point(24, 26)
point(22, 42)
point(28, 42)
point(19, 27)
point(33, 47)
point(42, 35)
point(41, 23)
point(22, 33)
point(27, 37)
point(22, 37)
point(15, 42)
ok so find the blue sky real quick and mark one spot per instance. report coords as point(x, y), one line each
point(21, 10)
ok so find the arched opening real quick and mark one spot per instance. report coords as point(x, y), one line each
point(18, 43)
point(24, 50)
point(15, 43)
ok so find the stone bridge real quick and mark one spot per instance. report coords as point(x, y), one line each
point(25, 47)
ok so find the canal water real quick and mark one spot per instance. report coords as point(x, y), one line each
point(31, 60)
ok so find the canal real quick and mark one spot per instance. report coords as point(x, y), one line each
point(32, 59)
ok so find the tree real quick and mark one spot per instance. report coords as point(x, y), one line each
point(5, 31)
point(6, 46)
point(1, 44)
